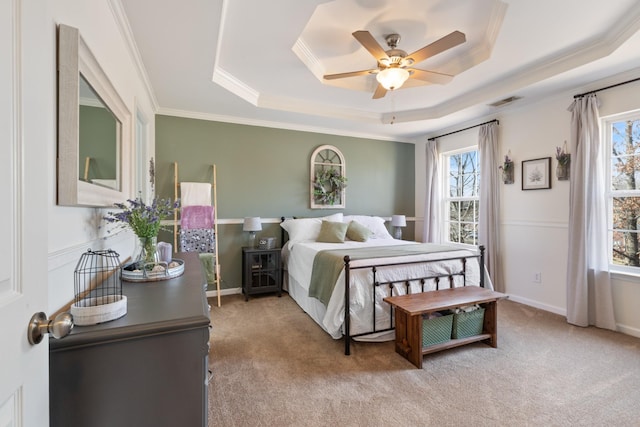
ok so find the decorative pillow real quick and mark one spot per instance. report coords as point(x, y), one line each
point(358, 232)
point(375, 224)
point(332, 232)
point(306, 229)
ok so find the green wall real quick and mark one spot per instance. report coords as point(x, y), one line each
point(265, 172)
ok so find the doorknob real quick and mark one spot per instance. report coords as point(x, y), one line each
point(58, 327)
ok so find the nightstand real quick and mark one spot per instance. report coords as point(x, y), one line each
point(261, 271)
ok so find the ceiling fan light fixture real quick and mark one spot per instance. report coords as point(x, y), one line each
point(392, 78)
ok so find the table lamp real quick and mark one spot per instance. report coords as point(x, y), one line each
point(397, 222)
point(252, 225)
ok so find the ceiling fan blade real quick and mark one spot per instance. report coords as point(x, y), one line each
point(349, 74)
point(430, 76)
point(368, 42)
point(447, 42)
point(380, 92)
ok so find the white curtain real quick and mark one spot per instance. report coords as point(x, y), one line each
point(589, 299)
point(489, 219)
point(432, 201)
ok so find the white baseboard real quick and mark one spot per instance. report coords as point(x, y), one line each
point(223, 292)
point(627, 330)
point(537, 304)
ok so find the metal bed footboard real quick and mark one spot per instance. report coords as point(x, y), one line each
point(390, 284)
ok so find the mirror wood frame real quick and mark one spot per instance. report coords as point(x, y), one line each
point(75, 58)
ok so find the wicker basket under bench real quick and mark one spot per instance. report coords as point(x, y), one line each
point(409, 311)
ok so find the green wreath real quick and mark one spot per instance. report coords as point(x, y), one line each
point(328, 186)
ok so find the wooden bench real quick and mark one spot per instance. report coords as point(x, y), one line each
point(409, 310)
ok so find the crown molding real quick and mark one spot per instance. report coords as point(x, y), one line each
point(125, 30)
point(276, 125)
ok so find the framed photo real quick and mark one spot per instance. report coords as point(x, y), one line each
point(536, 174)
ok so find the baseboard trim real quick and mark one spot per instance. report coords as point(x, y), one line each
point(537, 304)
point(223, 292)
point(623, 329)
point(628, 330)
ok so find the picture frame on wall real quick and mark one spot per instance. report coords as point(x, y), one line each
point(328, 178)
point(536, 174)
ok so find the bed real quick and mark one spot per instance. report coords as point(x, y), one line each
point(375, 267)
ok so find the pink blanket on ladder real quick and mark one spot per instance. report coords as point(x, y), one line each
point(196, 217)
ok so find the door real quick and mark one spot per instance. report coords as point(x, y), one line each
point(26, 133)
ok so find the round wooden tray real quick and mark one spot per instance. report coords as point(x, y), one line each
point(130, 274)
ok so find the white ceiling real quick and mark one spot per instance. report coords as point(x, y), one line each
point(261, 62)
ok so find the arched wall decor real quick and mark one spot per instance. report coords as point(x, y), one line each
point(328, 178)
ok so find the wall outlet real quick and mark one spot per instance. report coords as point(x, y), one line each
point(537, 277)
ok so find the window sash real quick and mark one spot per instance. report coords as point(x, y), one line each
point(461, 190)
point(623, 194)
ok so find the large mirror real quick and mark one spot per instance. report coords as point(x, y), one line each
point(98, 138)
point(94, 149)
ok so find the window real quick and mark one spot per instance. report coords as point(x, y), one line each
point(622, 134)
point(462, 185)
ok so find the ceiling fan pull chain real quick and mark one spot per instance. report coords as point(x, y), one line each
point(393, 108)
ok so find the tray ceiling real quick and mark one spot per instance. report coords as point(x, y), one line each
point(262, 63)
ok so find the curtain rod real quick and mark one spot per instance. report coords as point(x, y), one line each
point(461, 130)
point(580, 95)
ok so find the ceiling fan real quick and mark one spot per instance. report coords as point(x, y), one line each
point(394, 64)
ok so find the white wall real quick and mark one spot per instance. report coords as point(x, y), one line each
point(73, 230)
point(534, 223)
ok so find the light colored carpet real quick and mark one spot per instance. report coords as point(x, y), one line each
point(273, 366)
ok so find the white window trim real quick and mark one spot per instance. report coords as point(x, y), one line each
point(618, 271)
point(444, 179)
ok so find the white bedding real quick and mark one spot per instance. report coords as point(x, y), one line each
point(299, 255)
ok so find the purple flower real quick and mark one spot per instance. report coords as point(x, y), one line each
point(145, 220)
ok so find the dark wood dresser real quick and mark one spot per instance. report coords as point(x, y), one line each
point(148, 368)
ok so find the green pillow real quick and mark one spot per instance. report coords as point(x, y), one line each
point(332, 232)
point(358, 232)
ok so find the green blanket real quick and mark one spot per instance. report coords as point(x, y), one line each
point(208, 261)
point(328, 264)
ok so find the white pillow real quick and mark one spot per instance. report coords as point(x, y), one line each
point(307, 229)
point(373, 223)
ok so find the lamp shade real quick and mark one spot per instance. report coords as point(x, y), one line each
point(399, 221)
point(252, 224)
point(392, 78)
